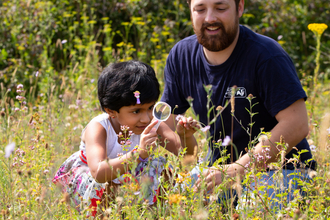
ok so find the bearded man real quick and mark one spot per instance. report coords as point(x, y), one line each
point(255, 75)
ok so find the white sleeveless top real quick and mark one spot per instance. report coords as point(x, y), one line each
point(112, 145)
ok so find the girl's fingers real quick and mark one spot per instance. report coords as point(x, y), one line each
point(149, 127)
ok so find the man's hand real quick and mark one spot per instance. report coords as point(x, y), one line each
point(214, 177)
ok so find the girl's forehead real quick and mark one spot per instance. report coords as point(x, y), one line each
point(139, 106)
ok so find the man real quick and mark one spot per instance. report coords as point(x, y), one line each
point(228, 56)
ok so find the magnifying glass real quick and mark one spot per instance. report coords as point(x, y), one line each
point(161, 112)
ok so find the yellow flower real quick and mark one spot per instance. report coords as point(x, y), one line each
point(176, 198)
point(317, 28)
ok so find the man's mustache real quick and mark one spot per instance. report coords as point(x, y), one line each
point(215, 24)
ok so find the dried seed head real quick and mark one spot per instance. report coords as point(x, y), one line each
point(31, 119)
point(3, 114)
point(219, 108)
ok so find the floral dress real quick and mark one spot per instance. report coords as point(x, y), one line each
point(75, 178)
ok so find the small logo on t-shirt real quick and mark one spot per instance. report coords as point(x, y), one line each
point(240, 92)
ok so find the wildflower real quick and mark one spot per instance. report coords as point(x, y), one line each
point(9, 149)
point(312, 173)
point(19, 86)
point(176, 198)
point(128, 142)
point(119, 200)
point(20, 98)
point(64, 41)
point(262, 138)
point(317, 28)
point(178, 117)
point(206, 128)
point(313, 148)
point(226, 141)
point(119, 154)
point(92, 80)
point(203, 214)
point(37, 74)
point(328, 130)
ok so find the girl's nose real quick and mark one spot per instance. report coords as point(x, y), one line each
point(146, 117)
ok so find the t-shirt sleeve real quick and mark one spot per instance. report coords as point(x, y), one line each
point(173, 93)
point(279, 85)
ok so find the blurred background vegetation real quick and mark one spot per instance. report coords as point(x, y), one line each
point(61, 44)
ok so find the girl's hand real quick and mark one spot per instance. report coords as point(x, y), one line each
point(148, 139)
point(187, 126)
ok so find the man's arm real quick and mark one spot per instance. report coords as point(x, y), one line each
point(292, 126)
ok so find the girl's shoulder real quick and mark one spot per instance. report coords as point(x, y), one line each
point(103, 119)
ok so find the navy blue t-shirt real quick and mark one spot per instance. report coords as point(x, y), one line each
point(258, 65)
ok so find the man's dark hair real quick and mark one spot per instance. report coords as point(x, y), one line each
point(236, 1)
point(118, 82)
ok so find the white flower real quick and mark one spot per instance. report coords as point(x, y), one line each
point(64, 41)
point(226, 141)
point(9, 149)
point(37, 74)
point(206, 128)
point(19, 86)
point(178, 117)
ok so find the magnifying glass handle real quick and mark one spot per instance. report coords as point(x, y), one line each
point(157, 125)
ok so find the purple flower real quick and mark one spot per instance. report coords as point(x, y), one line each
point(64, 41)
point(206, 128)
point(92, 80)
point(313, 148)
point(19, 86)
point(226, 141)
point(9, 149)
point(37, 74)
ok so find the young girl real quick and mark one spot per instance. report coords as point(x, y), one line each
point(127, 93)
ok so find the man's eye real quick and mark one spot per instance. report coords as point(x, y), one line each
point(199, 10)
point(221, 9)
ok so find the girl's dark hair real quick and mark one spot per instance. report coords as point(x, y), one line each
point(118, 82)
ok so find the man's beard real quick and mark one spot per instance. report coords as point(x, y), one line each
point(217, 42)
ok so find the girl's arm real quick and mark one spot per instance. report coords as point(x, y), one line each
point(184, 137)
point(104, 169)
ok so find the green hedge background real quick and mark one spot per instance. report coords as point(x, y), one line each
point(67, 39)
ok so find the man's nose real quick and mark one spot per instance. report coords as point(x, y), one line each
point(210, 16)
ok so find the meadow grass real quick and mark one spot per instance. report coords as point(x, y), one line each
point(44, 122)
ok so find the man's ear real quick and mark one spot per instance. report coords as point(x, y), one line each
point(240, 8)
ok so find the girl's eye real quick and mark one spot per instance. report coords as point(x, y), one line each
point(151, 107)
point(136, 111)
point(199, 10)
